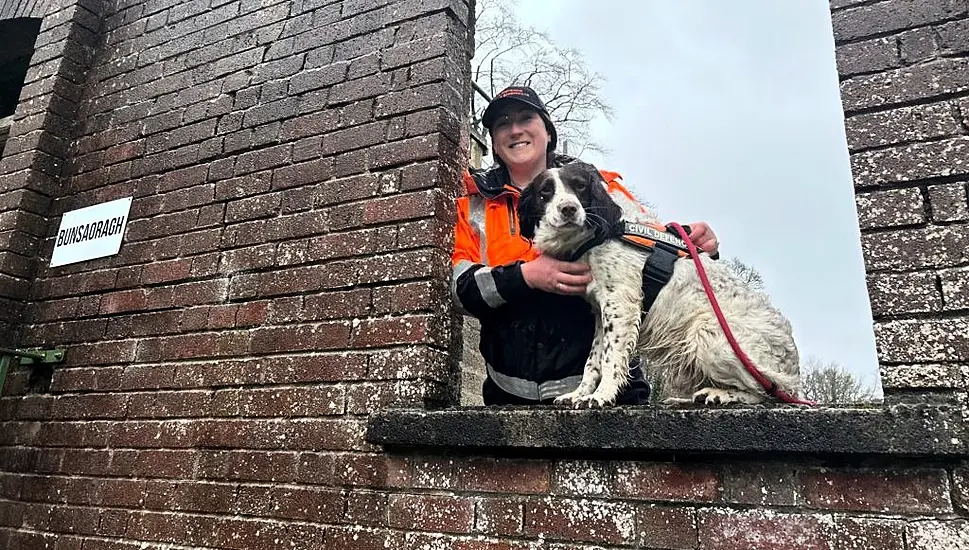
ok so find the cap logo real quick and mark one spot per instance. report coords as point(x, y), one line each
point(509, 92)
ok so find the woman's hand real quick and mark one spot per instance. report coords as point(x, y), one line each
point(704, 238)
point(551, 275)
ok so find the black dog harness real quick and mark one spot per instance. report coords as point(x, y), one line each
point(661, 241)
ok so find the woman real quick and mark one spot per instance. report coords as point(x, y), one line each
point(536, 329)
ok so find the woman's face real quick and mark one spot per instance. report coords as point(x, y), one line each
point(519, 137)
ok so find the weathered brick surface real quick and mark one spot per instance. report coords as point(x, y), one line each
point(955, 288)
point(903, 293)
point(581, 520)
point(949, 202)
point(868, 56)
point(919, 161)
point(910, 84)
point(938, 535)
point(928, 341)
point(914, 492)
point(922, 376)
point(667, 482)
point(890, 208)
point(761, 485)
point(893, 15)
point(917, 248)
point(906, 124)
point(726, 529)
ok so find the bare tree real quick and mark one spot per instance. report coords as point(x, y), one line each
point(831, 383)
point(750, 276)
point(509, 53)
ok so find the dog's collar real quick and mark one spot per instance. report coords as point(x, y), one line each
point(600, 236)
point(636, 234)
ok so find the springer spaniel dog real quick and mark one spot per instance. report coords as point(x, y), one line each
point(562, 209)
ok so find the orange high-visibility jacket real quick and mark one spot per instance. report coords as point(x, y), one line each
point(534, 343)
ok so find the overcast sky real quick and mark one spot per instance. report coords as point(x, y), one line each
point(729, 112)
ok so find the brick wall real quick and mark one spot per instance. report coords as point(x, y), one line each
point(904, 66)
point(284, 273)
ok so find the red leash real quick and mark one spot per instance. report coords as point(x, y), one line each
point(769, 386)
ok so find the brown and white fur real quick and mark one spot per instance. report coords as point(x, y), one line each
point(560, 210)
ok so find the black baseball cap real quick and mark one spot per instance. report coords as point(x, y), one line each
point(526, 96)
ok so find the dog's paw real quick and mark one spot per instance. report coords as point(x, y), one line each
point(718, 396)
point(673, 401)
point(591, 402)
point(566, 399)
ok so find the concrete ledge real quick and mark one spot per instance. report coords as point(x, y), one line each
point(898, 430)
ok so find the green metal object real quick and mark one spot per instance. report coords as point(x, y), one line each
point(27, 357)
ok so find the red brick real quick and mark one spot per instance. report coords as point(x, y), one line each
point(99, 405)
point(937, 535)
point(248, 466)
point(501, 516)
point(102, 353)
point(869, 533)
point(320, 336)
point(167, 271)
point(128, 300)
point(409, 363)
point(367, 509)
point(762, 530)
point(760, 485)
point(411, 297)
point(168, 404)
point(191, 346)
point(337, 305)
point(121, 493)
point(960, 479)
point(510, 476)
point(912, 491)
point(305, 504)
point(283, 402)
point(365, 398)
point(411, 329)
point(143, 377)
point(403, 266)
point(443, 514)
point(252, 313)
point(69, 519)
point(356, 538)
point(667, 482)
point(581, 520)
point(201, 292)
point(582, 479)
point(669, 528)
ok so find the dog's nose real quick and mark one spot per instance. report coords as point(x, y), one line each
point(568, 210)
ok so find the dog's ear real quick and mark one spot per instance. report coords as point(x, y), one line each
point(600, 202)
point(529, 211)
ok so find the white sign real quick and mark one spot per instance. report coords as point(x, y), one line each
point(92, 232)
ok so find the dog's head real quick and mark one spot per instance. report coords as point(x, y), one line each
point(564, 207)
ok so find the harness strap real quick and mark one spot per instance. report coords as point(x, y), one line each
point(657, 272)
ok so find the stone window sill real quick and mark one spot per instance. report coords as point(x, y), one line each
point(895, 431)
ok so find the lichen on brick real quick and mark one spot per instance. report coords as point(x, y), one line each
point(583, 478)
point(921, 376)
point(938, 535)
